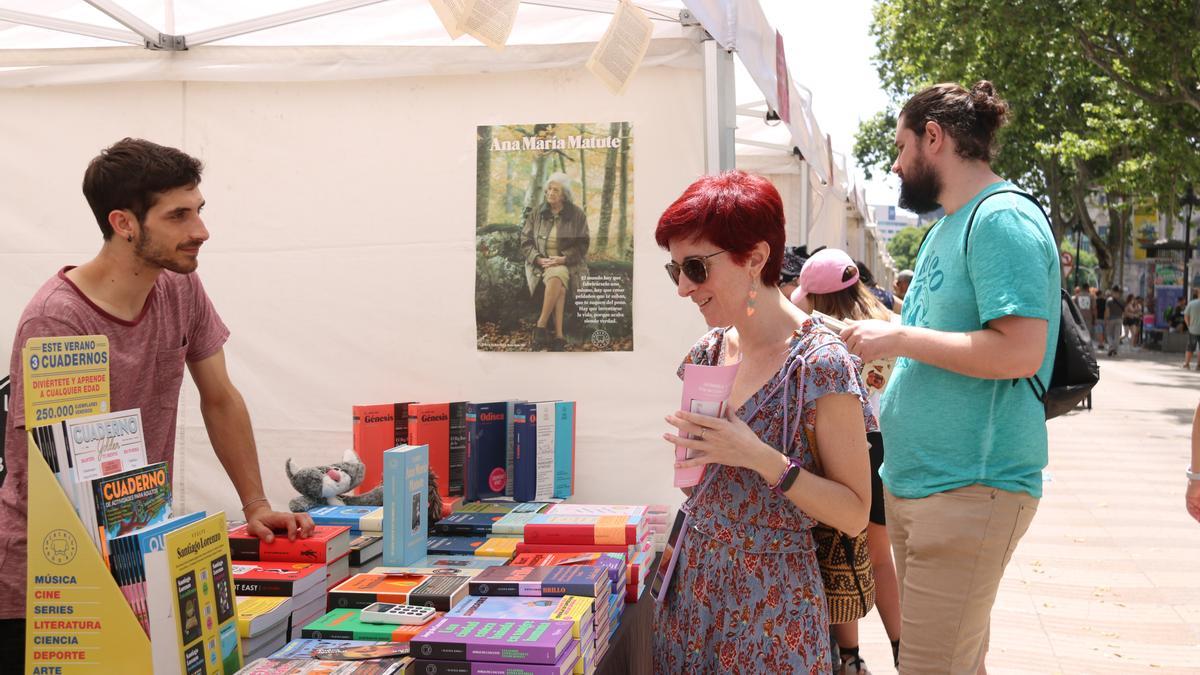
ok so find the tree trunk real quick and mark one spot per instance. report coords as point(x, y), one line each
point(533, 194)
point(622, 221)
point(1058, 224)
point(483, 174)
point(1104, 258)
point(606, 194)
point(582, 175)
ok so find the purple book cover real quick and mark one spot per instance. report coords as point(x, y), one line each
point(586, 580)
point(589, 580)
point(564, 665)
point(457, 638)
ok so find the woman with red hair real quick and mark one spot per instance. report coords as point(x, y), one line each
point(746, 593)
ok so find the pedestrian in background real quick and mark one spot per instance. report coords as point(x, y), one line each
point(1083, 300)
point(1191, 318)
point(1114, 312)
point(900, 285)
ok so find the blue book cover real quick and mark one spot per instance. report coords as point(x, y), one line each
point(150, 539)
point(564, 449)
point(453, 545)
point(344, 516)
point(510, 448)
point(487, 433)
point(467, 523)
point(405, 503)
point(533, 425)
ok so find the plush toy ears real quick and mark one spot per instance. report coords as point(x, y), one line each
point(288, 467)
point(351, 457)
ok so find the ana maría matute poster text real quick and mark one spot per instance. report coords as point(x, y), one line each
point(554, 237)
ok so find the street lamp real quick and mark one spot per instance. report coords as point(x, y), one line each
point(1188, 200)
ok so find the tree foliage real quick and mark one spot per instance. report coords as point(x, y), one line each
point(904, 245)
point(1100, 115)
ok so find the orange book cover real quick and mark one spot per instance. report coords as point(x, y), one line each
point(361, 590)
point(429, 424)
point(378, 428)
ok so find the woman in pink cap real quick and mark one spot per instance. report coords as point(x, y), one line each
point(746, 594)
point(830, 285)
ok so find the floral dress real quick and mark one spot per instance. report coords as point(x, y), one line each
point(746, 595)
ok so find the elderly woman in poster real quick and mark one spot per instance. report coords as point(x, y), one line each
point(554, 243)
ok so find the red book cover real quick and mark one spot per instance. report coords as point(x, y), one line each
point(525, 547)
point(429, 424)
point(361, 590)
point(327, 543)
point(378, 428)
point(586, 530)
point(275, 578)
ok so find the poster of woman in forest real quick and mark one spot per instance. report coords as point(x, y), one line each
point(554, 237)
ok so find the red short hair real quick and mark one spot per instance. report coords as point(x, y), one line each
point(734, 210)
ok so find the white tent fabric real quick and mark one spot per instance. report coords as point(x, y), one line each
point(340, 169)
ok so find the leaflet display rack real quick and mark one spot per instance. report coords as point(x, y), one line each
point(77, 619)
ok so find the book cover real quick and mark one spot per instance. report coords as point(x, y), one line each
point(429, 424)
point(274, 666)
point(513, 523)
point(199, 634)
point(576, 609)
point(361, 518)
point(127, 561)
point(444, 561)
point(361, 590)
point(256, 614)
point(615, 563)
point(705, 392)
point(567, 509)
point(487, 431)
point(458, 448)
point(503, 640)
point(875, 374)
point(627, 549)
point(287, 579)
point(467, 523)
point(498, 547)
point(454, 545)
point(327, 543)
point(440, 592)
point(405, 503)
point(308, 648)
point(364, 549)
point(346, 624)
point(533, 426)
point(106, 444)
point(565, 664)
point(590, 581)
point(131, 500)
point(551, 528)
point(377, 428)
point(564, 449)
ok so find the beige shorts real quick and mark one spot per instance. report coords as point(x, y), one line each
point(951, 549)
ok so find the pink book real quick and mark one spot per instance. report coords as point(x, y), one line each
point(706, 391)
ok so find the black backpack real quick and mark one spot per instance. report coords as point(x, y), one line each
point(1075, 369)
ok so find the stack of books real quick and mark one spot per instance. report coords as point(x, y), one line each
point(347, 624)
point(329, 545)
point(366, 532)
point(263, 623)
point(658, 520)
point(454, 644)
point(439, 591)
point(303, 583)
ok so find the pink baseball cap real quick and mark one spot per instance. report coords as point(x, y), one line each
point(824, 272)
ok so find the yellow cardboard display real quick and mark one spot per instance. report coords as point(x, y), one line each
point(77, 620)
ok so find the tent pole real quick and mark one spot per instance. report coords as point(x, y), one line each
point(75, 27)
point(128, 19)
point(805, 186)
point(720, 110)
point(275, 20)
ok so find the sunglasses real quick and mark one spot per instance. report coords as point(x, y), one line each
point(694, 268)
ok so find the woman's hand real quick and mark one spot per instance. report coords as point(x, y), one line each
point(727, 441)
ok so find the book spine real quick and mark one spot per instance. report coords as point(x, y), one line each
point(357, 600)
point(471, 463)
point(406, 504)
point(486, 589)
point(510, 442)
point(525, 547)
point(458, 449)
point(524, 461)
point(564, 449)
point(560, 533)
point(430, 648)
point(429, 667)
point(543, 458)
point(326, 634)
point(271, 587)
point(469, 529)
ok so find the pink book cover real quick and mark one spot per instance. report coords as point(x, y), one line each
point(706, 391)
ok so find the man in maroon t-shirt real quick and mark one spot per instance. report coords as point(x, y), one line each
point(141, 292)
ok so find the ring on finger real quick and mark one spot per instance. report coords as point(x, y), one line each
point(700, 434)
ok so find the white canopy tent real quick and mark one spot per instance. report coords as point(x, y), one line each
point(339, 155)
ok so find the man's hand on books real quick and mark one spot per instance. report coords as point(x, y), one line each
point(718, 440)
point(265, 523)
point(873, 339)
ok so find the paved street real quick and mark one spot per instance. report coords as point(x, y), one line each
point(1108, 578)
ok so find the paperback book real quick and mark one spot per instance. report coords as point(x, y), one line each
point(377, 428)
point(590, 581)
point(565, 664)
point(347, 624)
point(487, 431)
point(327, 543)
point(429, 424)
point(361, 518)
point(533, 425)
point(405, 503)
point(551, 528)
point(528, 641)
point(467, 523)
point(361, 590)
point(287, 579)
point(706, 391)
point(564, 449)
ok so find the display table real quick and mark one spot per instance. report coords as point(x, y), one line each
point(631, 650)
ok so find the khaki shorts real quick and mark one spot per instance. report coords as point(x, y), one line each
point(951, 549)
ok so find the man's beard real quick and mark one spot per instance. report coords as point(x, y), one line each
point(148, 249)
point(920, 187)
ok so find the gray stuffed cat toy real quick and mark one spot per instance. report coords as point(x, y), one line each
point(327, 485)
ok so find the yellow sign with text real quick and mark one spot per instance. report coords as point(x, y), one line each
point(64, 377)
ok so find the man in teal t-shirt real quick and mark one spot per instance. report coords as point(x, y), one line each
point(965, 434)
point(1191, 318)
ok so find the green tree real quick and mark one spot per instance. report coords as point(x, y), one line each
point(904, 245)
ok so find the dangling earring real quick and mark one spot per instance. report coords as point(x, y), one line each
point(753, 299)
point(129, 238)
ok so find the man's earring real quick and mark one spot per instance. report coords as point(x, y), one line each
point(753, 299)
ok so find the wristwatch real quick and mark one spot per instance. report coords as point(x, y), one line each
point(787, 478)
point(1193, 475)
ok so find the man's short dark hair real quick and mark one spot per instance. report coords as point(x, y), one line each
point(970, 117)
point(131, 173)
